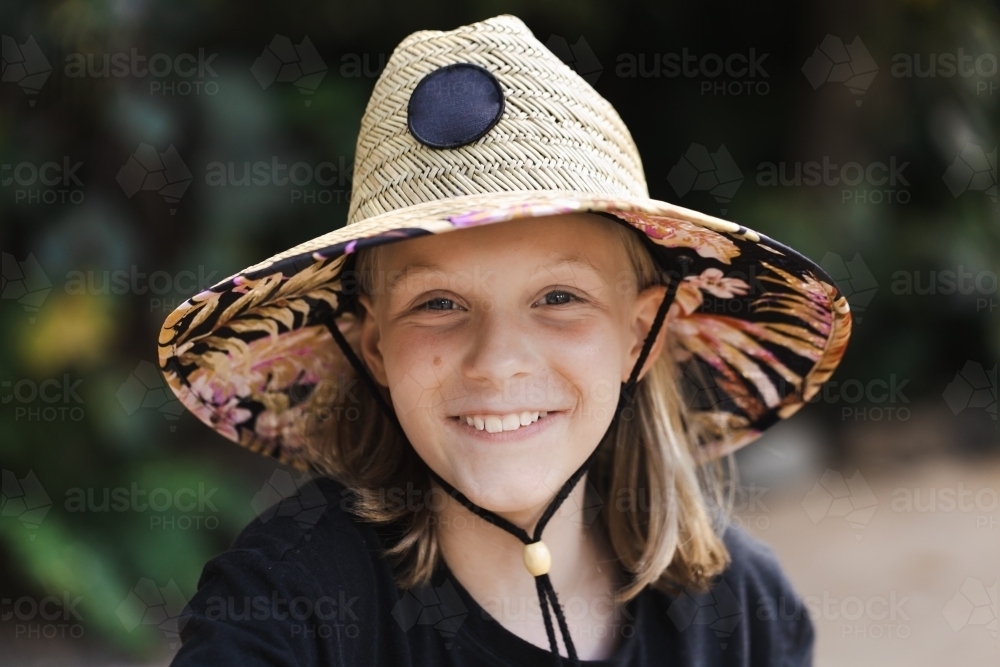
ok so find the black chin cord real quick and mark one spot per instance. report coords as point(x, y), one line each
point(536, 555)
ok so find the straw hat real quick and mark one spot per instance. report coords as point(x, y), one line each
point(476, 126)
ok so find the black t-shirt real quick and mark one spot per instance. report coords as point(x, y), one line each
point(306, 584)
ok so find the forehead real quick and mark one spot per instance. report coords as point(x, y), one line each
point(574, 241)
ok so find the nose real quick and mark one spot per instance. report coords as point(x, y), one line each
point(502, 347)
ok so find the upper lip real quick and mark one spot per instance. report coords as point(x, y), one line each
point(495, 411)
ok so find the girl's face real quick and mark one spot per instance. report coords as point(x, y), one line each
point(502, 324)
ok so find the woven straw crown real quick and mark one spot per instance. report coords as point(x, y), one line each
point(556, 133)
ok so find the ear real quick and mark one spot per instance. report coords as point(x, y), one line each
point(371, 338)
point(647, 302)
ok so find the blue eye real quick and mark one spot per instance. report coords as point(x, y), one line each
point(558, 297)
point(447, 304)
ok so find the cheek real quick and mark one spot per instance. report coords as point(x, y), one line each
point(417, 368)
point(592, 364)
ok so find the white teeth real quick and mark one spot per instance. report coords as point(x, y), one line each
point(499, 423)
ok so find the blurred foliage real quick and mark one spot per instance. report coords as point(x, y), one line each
point(101, 336)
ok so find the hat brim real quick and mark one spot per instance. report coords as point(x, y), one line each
point(758, 327)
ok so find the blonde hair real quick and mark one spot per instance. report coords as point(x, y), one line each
point(661, 512)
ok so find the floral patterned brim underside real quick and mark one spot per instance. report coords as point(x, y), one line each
point(757, 326)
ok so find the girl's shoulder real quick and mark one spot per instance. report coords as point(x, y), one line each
point(750, 614)
point(306, 525)
point(303, 583)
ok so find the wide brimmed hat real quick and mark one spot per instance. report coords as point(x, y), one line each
point(477, 126)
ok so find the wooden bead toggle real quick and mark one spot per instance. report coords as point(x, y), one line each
point(537, 558)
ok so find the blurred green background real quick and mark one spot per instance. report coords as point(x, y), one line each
point(122, 193)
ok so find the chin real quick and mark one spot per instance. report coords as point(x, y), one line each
point(513, 487)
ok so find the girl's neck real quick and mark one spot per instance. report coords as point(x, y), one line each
point(487, 561)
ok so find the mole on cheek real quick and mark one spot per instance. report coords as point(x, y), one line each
point(437, 361)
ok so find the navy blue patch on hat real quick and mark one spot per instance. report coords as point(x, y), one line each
point(454, 105)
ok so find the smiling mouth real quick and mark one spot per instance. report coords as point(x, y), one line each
point(492, 423)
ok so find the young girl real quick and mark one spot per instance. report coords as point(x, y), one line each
point(514, 378)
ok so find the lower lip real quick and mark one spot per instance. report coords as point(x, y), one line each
point(521, 433)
